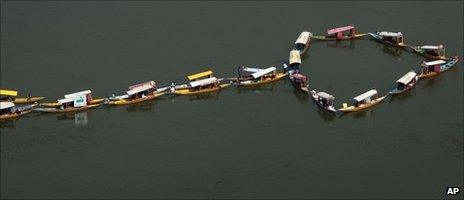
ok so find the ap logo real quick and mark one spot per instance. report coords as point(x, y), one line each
point(452, 190)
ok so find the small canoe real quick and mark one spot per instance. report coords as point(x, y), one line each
point(68, 109)
point(251, 83)
point(443, 68)
point(13, 115)
point(362, 106)
point(190, 91)
point(316, 98)
point(132, 101)
point(24, 100)
point(328, 38)
point(405, 83)
point(379, 38)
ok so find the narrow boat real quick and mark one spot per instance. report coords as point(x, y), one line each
point(87, 93)
point(436, 67)
point(324, 100)
point(73, 103)
point(11, 95)
point(390, 38)
point(299, 81)
point(339, 34)
point(8, 110)
point(430, 51)
point(363, 101)
point(136, 93)
point(302, 42)
point(405, 83)
point(260, 77)
point(199, 83)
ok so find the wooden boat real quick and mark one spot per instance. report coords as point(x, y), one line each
point(200, 83)
point(338, 34)
point(8, 110)
point(302, 42)
point(363, 101)
point(390, 38)
point(436, 67)
point(87, 93)
point(430, 51)
point(11, 95)
point(294, 62)
point(137, 93)
point(299, 81)
point(65, 109)
point(260, 77)
point(324, 100)
point(405, 83)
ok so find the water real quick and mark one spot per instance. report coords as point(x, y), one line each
point(262, 143)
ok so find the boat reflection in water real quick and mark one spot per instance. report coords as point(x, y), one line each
point(350, 44)
point(326, 116)
point(147, 106)
point(80, 118)
point(301, 96)
point(391, 50)
point(204, 96)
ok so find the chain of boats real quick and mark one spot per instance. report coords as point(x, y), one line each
point(12, 106)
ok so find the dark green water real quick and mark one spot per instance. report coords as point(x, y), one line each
point(262, 143)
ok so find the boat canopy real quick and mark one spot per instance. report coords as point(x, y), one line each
point(390, 34)
point(199, 75)
point(151, 83)
point(203, 82)
point(6, 104)
point(407, 78)
point(365, 95)
point(435, 62)
point(340, 29)
point(138, 89)
point(299, 76)
point(251, 70)
point(432, 47)
point(67, 100)
point(303, 38)
point(263, 72)
point(326, 96)
point(9, 93)
point(85, 92)
point(294, 57)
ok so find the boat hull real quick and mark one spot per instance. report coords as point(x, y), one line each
point(251, 83)
point(23, 100)
point(13, 115)
point(66, 110)
point(326, 38)
point(188, 91)
point(362, 106)
point(128, 101)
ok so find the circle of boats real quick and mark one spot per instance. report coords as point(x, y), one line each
point(12, 106)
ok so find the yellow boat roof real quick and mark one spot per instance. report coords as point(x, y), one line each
point(199, 75)
point(9, 93)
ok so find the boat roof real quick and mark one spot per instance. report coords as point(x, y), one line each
point(365, 95)
point(435, 62)
point(6, 104)
point(203, 82)
point(9, 93)
point(85, 92)
point(294, 57)
point(299, 76)
point(138, 89)
point(407, 77)
point(390, 34)
point(263, 72)
point(303, 38)
point(340, 29)
point(251, 70)
point(432, 47)
point(325, 95)
point(151, 83)
point(199, 75)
